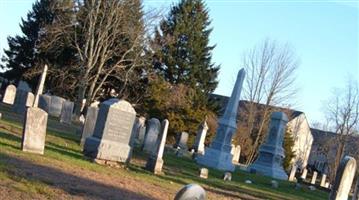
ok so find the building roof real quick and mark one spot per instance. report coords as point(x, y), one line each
point(223, 100)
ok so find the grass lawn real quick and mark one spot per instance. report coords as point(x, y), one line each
point(63, 173)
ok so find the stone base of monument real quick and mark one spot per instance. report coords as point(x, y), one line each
point(216, 159)
point(154, 165)
point(268, 164)
point(107, 151)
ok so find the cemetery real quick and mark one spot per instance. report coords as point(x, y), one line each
point(115, 100)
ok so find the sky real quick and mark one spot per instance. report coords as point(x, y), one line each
point(324, 35)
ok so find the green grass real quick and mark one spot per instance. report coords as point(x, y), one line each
point(62, 145)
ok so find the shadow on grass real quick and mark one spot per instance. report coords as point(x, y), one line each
point(49, 146)
point(69, 183)
point(65, 153)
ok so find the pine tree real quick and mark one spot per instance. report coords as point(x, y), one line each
point(183, 51)
point(288, 144)
point(22, 53)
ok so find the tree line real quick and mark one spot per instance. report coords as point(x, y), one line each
point(98, 49)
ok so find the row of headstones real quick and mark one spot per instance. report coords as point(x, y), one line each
point(146, 135)
point(22, 98)
point(109, 135)
point(323, 182)
point(343, 180)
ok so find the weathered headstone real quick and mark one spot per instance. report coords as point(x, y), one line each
point(181, 141)
point(314, 178)
point(44, 102)
point(23, 99)
point(236, 154)
point(227, 176)
point(9, 96)
point(34, 131)
point(326, 185)
point(155, 161)
point(23, 85)
point(30, 99)
point(271, 153)
point(198, 145)
point(110, 142)
point(218, 154)
point(304, 174)
point(203, 173)
point(322, 181)
point(90, 122)
point(56, 106)
point(343, 179)
point(191, 192)
point(40, 87)
point(66, 112)
point(292, 173)
point(82, 119)
point(153, 128)
point(139, 130)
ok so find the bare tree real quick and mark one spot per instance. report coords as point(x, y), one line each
point(109, 38)
point(343, 114)
point(270, 79)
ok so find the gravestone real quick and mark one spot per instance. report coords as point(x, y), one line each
point(44, 102)
point(304, 174)
point(155, 161)
point(191, 192)
point(203, 173)
point(181, 141)
point(218, 154)
point(227, 176)
point(292, 173)
point(343, 179)
point(23, 100)
point(271, 152)
point(30, 99)
point(110, 142)
point(326, 185)
point(9, 96)
point(82, 119)
point(322, 181)
point(23, 85)
point(314, 178)
point(236, 154)
point(153, 128)
point(66, 112)
point(40, 86)
point(90, 122)
point(139, 130)
point(56, 106)
point(198, 145)
point(34, 131)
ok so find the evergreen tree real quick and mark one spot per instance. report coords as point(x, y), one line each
point(288, 144)
point(183, 53)
point(22, 53)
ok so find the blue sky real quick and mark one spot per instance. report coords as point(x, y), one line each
point(324, 34)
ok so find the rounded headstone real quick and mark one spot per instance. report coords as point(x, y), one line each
point(191, 192)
